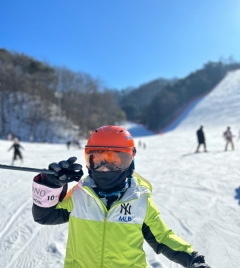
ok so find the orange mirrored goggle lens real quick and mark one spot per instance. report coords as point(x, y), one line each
point(110, 160)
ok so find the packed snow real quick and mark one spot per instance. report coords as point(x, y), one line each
point(198, 195)
point(218, 109)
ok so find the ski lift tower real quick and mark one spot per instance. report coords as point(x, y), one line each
point(58, 94)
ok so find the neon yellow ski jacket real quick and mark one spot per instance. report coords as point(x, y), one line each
point(101, 238)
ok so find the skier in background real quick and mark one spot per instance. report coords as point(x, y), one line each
point(144, 145)
point(31, 138)
point(68, 144)
point(229, 138)
point(16, 150)
point(139, 143)
point(110, 211)
point(9, 136)
point(201, 139)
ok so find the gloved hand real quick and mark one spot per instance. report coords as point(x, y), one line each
point(198, 261)
point(66, 171)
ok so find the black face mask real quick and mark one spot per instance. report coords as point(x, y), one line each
point(109, 181)
point(112, 180)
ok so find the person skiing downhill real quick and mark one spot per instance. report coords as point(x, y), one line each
point(110, 211)
point(16, 152)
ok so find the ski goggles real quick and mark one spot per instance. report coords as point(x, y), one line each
point(108, 160)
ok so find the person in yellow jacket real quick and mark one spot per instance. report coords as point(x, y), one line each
point(110, 211)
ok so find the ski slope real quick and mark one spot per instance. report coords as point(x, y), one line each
point(198, 195)
point(217, 109)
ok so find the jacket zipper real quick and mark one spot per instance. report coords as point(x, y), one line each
point(105, 219)
point(103, 242)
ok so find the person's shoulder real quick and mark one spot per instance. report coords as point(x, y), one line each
point(142, 181)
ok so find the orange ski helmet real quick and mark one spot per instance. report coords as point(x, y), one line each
point(110, 139)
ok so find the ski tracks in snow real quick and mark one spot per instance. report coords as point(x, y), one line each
point(16, 235)
point(12, 220)
point(22, 240)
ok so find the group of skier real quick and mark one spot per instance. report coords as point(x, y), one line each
point(228, 136)
point(142, 144)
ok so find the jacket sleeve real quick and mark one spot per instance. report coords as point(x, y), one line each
point(49, 216)
point(47, 208)
point(163, 240)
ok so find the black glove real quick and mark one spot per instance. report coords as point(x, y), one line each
point(66, 171)
point(198, 261)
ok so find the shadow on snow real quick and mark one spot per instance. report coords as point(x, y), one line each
point(237, 196)
point(140, 131)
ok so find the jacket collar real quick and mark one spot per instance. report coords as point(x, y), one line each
point(133, 192)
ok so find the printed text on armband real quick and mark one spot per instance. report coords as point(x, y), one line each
point(37, 191)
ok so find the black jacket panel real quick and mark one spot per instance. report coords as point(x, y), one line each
point(180, 257)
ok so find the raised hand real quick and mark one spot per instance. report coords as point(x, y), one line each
point(65, 171)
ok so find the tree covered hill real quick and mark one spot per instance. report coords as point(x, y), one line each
point(44, 101)
point(134, 101)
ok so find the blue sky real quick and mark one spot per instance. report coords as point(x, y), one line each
point(123, 42)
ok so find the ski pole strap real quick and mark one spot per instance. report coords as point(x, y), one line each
point(44, 196)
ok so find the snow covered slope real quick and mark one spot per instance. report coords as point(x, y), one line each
point(218, 109)
point(198, 195)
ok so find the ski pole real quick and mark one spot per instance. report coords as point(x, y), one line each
point(46, 171)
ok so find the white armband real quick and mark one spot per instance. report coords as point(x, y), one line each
point(44, 196)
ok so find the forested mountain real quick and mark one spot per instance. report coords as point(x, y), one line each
point(134, 101)
point(43, 101)
point(173, 97)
